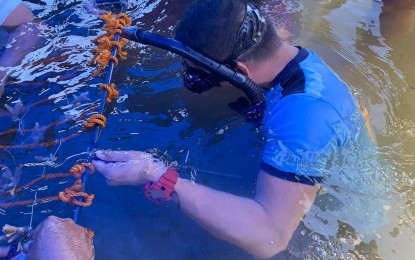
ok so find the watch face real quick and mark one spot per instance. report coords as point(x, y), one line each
point(157, 195)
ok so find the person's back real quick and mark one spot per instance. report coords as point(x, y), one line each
point(308, 113)
point(314, 128)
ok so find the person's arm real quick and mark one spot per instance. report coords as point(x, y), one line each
point(23, 37)
point(20, 15)
point(261, 226)
point(24, 40)
point(53, 238)
point(63, 239)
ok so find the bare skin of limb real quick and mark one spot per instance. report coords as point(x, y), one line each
point(57, 238)
point(261, 226)
point(21, 14)
point(24, 37)
point(63, 239)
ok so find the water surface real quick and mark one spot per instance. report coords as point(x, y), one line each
point(368, 212)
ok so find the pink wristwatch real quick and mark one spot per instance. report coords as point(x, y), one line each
point(161, 191)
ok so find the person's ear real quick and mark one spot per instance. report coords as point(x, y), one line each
point(242, 68)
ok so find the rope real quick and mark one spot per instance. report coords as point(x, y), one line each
point(104, 55)
point(89, 233)
point(78, 169)
point(106, 42)
point(69, 196)
point(47, 144)
point(95, 119)
point(112, 91)
point(76, 172)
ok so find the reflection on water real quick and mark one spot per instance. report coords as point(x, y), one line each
point(369, 44)
point(365, 210)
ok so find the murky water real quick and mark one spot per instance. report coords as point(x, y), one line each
point(366, 212)
point(369, 44)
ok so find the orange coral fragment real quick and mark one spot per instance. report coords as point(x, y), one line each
point(95, 119)
point(112, 91)
point(103, 52)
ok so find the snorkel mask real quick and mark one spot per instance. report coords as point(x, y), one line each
point(248, 35)
point(197, 80)
point(213, 72)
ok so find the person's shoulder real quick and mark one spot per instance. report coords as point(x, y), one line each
point(322, 82)
point(302, 105)
point(306, 115)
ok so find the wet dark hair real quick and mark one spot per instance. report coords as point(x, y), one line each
point(211, 26)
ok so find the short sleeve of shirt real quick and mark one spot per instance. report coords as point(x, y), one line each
point(301, 133)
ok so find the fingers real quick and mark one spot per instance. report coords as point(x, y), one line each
point(114, 173)
point(107, 170)
point(123, 173)
point(103, 167)
point(121, 156)
point(128, 167)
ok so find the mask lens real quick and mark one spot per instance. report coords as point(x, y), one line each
point(198, 81)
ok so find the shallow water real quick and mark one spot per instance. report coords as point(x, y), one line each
point(362, 44)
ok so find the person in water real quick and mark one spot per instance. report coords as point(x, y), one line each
point(309, 116)
point(15, 29)
point(54, 238)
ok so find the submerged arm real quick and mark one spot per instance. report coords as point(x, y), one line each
point(23, 38)
point(262, 226)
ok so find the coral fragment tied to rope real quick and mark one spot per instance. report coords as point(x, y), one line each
point(103, 52)
point(112, 91)
point(95, 119)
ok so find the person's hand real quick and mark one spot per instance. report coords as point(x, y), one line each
point(128, 167)
point(57, 238)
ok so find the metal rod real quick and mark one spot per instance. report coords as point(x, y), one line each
point(97, 128)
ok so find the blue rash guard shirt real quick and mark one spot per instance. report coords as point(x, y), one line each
point(309, 115)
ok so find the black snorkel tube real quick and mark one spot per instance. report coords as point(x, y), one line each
point(250, 88)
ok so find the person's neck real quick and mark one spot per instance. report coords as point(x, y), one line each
point(270, 68)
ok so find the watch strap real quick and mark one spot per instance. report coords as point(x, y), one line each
point(161, 191)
